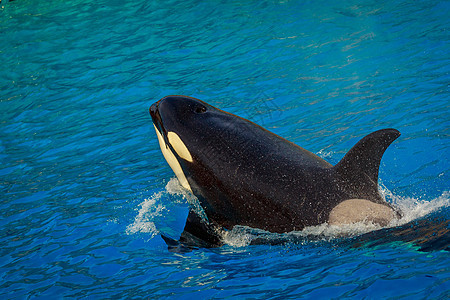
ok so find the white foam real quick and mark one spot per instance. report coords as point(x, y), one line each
point(240, 236)
point(174, 187)
point(412, 208)
point(143, 222)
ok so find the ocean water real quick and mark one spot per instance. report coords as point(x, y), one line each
point(86, 193)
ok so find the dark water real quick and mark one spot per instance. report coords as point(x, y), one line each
point(85, 191)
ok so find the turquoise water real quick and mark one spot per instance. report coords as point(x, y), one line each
point(86, 193)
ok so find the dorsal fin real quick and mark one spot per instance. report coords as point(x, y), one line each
point(360, 165)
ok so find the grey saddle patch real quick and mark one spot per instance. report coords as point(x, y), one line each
point(360, 210)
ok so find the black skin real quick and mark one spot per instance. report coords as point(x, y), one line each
point(245, 175)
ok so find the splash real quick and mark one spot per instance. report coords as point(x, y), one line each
point(155, 213)
point(412, 208)
point(143, 222)
point(174, 188)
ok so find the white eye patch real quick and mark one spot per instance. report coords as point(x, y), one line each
point(172, 160)
point(179, 146)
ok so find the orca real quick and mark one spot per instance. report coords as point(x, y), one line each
point(243, 174)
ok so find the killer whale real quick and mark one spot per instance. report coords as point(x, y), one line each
point(243, 174)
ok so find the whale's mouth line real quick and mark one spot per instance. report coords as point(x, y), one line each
point(157, 119)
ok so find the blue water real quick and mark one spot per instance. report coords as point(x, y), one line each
point(86, 193)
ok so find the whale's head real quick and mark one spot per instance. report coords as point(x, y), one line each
point(189, 131)
point(179, 114)
point(172, 117)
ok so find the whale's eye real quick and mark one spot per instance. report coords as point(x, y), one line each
point(200, 109)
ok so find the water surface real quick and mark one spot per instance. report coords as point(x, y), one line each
point(83, 182)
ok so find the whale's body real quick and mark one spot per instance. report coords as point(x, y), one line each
point(245, 175)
